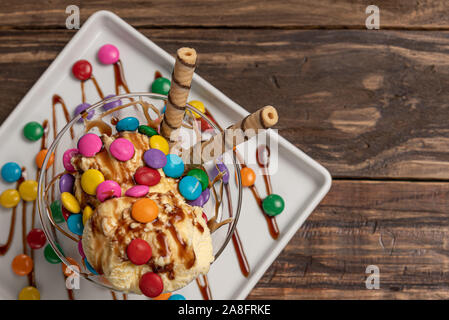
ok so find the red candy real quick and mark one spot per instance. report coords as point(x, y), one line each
point(147, 176)
point(151, 284)
point(82, 70)
point(36, 238)
point(65, 213)
point(139, 252)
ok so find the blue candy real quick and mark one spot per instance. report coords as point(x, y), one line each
point(75, 224)
point(177, 297)
point(89, 266)
point(174, 167)
point(11, 172)
point(127, 124)
point(164, 108)
point(190, 187)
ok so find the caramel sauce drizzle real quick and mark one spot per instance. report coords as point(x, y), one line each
point(120, 78)
point(97, 87)
point(204, 287)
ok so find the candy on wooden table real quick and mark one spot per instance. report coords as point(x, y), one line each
point(108, 189)
point(50, 255)
point(40, 157)
point(151, 284)
point(28, 190)
point(127, 124)
point(220, 167)
point(67, 159)
point(137, 191)
point(29, 293)
point(66, 182)
point(201, 200)
point(82, 70)
point(68, 270)
point(112, 104)
point(89, 267)
point(248, 176)
point(11, 172)
point(122, 149)
point(139, 251)
point(80, 108)
point(160, 85)
point(89, 145)
point(56, 211)
point(273, 204)
point(90, 180)
point(201, 176)
point(75, 224)
point(108, 54)
point(36, 238)
point(190, 187)
point(147, 130)
point(155, 158)
point(177, 296)
point(159, 142)
point(87, 213)
point(10, 198)
point(198, 105)
point(70, 202)
point(147, 176)
point(22, 264)
point(174, 167)
point(144, 210)
point(33, 131)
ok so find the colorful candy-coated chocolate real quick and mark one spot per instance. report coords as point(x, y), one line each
point(70, 203)
point(163, 296)
point(127, 124)
point(11, 172)
point(82, 70)
point(205, 126)
point(81, 250)
point(90, 180)
point(177, 296)
point(87, 213)
point(164, 108)
point(73, 266)
point(144, 210)
point(28, 190)
point(66, 182)
point(56, 211)
point(22, 265)
point(151, 284)
point(75, 224)
point(139, 251)
point(40, 157)
point(190, 187)
point(174, 167)
point(29, 293)
point(50, 255)
point(201, 176)
point(122, 149)
point(33, 131)
point(248, 176)
point(113, 104)
point(147, 176)
point(147, 130)
point(137, 191)
point(36, 238)
point(108, 54)
point(198, 105)
point(273, 205)
point(80, 108)
point(67, 159)
point(219, 168)
point(160, 85)
point(10, 198)
point(159, 142)
point(89, 267)
point(89, 145)
point(65, 213)
point(155, 158)
point(108, 189)
point(201, 200)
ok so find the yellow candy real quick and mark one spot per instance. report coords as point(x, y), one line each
point(28, 190)
point(10, 198)
point(90, 181)
point(29, 293)
point(87, 212)
point(199, 105)
point(158, 142)
point(70, 203)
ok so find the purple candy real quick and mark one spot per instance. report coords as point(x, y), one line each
point(112, 104)
point(137, 191)
point(155, 158)
point(66, 183)
point(80, 249)
point(201, 200)
point(80, 108)
point(221, 167)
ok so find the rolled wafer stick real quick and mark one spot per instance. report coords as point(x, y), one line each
point(179, 91)
point(235, 134)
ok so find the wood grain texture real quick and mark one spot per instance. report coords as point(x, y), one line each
point(364, 104)
point(232, 13)
point(401, 227)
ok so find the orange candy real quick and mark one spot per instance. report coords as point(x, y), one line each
point(41, 156)
point(66, 270)
point(144, 210)
point(22, 265)
point(248, 177)
point(163, 296)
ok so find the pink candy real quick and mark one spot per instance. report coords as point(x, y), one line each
point(122, 149)
point(137, 191)
point(89, 145)
point(108, 189)
point(108, 54)
point(67, 159)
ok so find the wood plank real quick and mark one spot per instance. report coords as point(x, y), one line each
point(401, 227)
point(364, 104)
point(233, 13)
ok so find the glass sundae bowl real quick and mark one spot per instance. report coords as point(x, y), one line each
point(221, 211)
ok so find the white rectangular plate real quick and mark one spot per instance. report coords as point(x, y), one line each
point(301, 181)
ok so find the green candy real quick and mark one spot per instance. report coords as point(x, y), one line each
point(33, 131)
point(56, 211)
point(146, 130)
point(50, 255)
point(273, 205)
point(161, 85)
point(201, 176)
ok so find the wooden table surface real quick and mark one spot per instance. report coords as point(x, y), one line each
point(370, 105)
